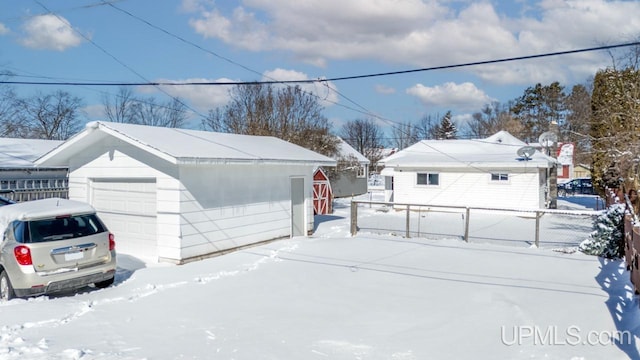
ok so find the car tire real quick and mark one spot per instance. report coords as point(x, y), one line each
point(105, 283)
point(6, 290)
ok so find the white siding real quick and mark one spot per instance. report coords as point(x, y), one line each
point(113, 159)
point(474, 189)
point(200, 209)
point(227, 206)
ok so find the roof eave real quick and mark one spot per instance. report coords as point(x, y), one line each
point(231, 161)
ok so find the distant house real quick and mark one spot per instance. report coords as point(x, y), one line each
point(581, 171)
point(175, 195)
point(476, 173)
point(350, 181)
point(20, 180)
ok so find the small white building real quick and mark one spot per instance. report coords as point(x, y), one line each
point(175, 195)
point(20, 180)
point(476, 173)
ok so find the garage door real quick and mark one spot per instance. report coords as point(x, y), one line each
point(128, 208)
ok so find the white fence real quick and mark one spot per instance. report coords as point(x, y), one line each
point(35, 194)
point(542, 228)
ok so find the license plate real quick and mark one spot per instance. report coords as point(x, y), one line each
point(74, 256)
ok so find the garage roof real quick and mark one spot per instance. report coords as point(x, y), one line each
point(183, 146)
point(20, 153)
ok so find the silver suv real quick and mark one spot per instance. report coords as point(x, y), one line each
point(53, 245)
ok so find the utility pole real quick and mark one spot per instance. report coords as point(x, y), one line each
point(549, 140)
point(553, 178)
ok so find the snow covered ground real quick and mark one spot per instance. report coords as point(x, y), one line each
point(333, 296)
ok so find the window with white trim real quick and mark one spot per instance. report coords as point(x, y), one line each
point(428, 179)
point(362, 171)
point(500, 177)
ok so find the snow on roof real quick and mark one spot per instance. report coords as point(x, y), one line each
point(183, 146)
point(344, 149)
point(21, 153)
point(497, 151)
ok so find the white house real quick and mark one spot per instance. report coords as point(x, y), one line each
point(487, 172)
point(19, 178)
point(175, 195)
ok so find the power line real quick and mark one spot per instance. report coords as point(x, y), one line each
point(116, 59)
point(180, 37)
point(335, 79)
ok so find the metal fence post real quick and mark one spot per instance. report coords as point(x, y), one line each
point(466, 226)
point(354, 218)
point(408, 216)
point(538, 216)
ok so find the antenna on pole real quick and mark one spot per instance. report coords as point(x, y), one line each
point(547, 139)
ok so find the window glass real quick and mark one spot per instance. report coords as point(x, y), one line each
point(59, 229)
point(499, 177)
point(428, 179)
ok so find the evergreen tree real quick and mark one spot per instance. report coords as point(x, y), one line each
point(538, 107)
point(615, 120)
point(607, 238)
point(447, 129)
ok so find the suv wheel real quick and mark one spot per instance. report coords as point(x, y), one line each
point(6, 291)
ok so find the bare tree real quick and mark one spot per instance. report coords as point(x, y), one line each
point(126, 108)
point(427, 128)
point(174, 114)
point(49, 116)
point(403, 135)
point(628, 58)
point(366, 137)
point(492, 118)
point(120, 108)
point(288, 113)
point(9, 123)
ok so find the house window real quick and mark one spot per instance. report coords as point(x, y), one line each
point(501, 177)
point(428, 179)
point(362, 171)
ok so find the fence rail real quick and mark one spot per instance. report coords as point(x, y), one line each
point(35, 194)
point(548, 227)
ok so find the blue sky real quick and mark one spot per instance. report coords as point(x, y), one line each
point(206, 40)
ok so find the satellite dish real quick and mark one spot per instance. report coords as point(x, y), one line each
point(526, 152)
point(547, 139)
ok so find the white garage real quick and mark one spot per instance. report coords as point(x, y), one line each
point(128, 208)
point(176, 195)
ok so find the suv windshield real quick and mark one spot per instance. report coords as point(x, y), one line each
point(57, 229)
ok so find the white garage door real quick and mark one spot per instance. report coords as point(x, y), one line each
point(128, 208)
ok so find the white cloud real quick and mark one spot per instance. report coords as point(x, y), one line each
point(325, 91)
point(208, 97)
point(420, 33)
point(49, 32)
point(201, 97)
point(465, 96)
point(3, 29)
point(95, 112)
point(385, 90)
